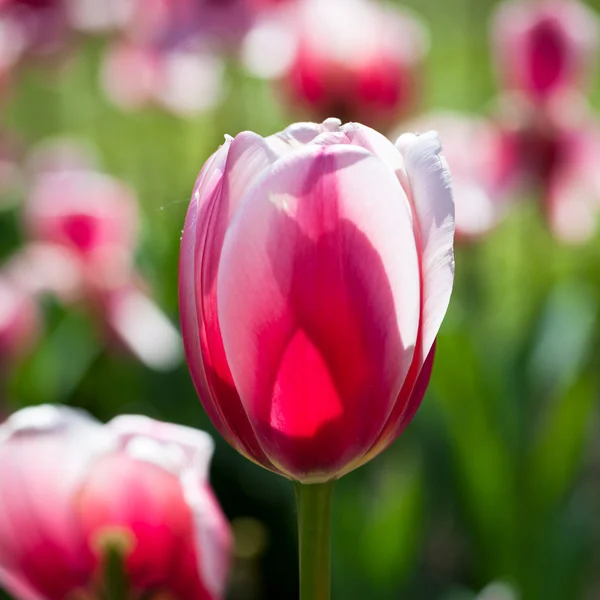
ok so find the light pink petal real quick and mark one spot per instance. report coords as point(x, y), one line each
point(212, 534)
point(429, 180)
point(185, 452)
point(206, 222)
point(318, 294)
point(191, 82)
point(299, 134)
point(45, 453)
point(170, 446)
point(144, 329)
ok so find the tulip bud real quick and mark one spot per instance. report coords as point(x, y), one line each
point(544, 47)
point(77, 498)
point(316, 268)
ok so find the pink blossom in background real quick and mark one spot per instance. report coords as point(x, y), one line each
point(93, 17)
point(544, 47)
point(184, 81)
point(168, 23)
point(71, 488)
point(20, 321)
point(355, 59)
point(316, 267)
point(482, 171)
point(554, 155)
point(40, 26)
point(82, 226)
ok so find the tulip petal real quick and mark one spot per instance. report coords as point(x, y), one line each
point(429, 180)
point(185, 452)
point(41, 543)
point(215, 200)
point(213, 538)
point(175, 446)
point(318, 297)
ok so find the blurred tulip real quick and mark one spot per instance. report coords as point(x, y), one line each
point(316, 268)
point(40, 26)
point(73, 491)
point(91, 16)
point(83, 226)
point(351, 58)
point(169, 23)
point(184, 81)
point(481, 170)
point(555, 153)
point(20, 321)
point(544, 47)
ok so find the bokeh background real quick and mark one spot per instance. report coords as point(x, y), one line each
point(493, 492)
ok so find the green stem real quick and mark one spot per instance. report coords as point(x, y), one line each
point(314, 537)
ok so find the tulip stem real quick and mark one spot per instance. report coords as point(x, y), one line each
point(314, 538)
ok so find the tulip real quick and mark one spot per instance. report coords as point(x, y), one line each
point(316, 268)
point(40, 27)
point(184, 81)
point(545, 47)
point(554, 153)
point(175, 22)
point(74, 493)
point(83, 228)
point(353, 58)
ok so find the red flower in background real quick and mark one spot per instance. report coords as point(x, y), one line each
point(555, 153)
point(544, 47)
point(72, 489)
point(353, 59)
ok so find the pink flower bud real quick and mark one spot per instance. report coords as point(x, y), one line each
point(71, 488)
point(316, 268)
point(544, 47)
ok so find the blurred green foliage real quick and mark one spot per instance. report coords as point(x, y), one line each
point(498, 477)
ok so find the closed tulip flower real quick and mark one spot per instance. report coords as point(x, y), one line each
point(73, 490)
point(316, 268)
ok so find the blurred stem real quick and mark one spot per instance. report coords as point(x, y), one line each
point(116, 582)
point(314, 537)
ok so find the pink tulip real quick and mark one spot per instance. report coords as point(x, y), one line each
point(170, 23)
point(88, 213)
point(71, 488)
point(481, 169)
point(184, 81)
point(352, 58)
point(83, 226)
point(20, 321)
point(555, 153)
point(544, 47)
point(316, 268)
point(41, 26)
